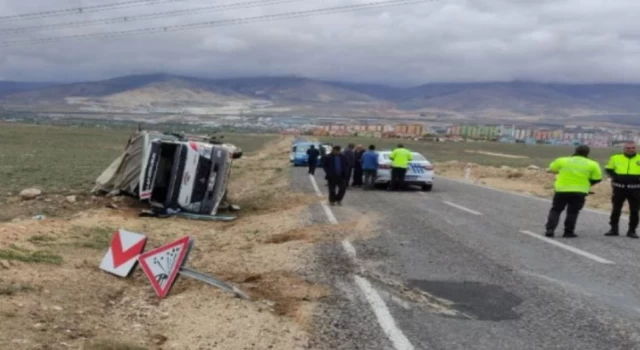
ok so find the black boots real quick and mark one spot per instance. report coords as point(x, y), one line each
point(614, 232)
point(549, 233)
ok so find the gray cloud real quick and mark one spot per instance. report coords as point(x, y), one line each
point(440, 41)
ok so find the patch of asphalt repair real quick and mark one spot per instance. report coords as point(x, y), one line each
point(482, 301)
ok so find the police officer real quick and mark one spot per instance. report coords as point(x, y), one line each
point(624, 170)
point(400, 158)
point(576, 175)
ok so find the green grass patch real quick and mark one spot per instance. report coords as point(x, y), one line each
point(41, 239)
point(16, 253)
point(97, 238)
point(12, 289)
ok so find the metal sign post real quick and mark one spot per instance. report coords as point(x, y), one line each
point(187, 272)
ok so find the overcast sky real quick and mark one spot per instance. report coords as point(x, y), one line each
point(437, 41)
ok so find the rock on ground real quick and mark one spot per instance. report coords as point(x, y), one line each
point(30, 193)
point(71, 199)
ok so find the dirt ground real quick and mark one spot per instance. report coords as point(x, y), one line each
point(53, 295)
point(533, 181)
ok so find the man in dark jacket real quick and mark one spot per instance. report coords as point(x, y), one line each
point(323, 157)
point(337, 169)
point(350, 156)
point(357, 169)
point(312, 158)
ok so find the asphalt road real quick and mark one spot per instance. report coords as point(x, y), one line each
point(466, 267)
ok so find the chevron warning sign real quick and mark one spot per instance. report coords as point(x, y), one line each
point(123, 252)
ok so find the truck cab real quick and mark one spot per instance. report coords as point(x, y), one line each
point(184, 175)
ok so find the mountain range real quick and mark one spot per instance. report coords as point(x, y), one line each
point(163, 93)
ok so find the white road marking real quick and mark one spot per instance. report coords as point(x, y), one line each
point(386, 321)
point(379, 307)
point(568, 247)
point(349, 248)
point(524, 195)
point(462, 208)
point(315, 185)
point(330, 216)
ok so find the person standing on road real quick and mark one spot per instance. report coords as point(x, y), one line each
point(370, 167)
point(323, 157)
point(312, 158)
point(336, 168)
point(351, 159)
point(400, 158)
point(624, 170)
point(357, 168)
point(575, 176)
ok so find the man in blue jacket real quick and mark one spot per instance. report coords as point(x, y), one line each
point(337, 169)
point(370, 167)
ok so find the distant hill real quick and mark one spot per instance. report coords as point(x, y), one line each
point(12, 87)
point(303, 96)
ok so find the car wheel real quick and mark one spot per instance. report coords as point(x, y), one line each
point(427, 188)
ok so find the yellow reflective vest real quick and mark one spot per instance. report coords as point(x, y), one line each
point(624, 171)
point(400, 158)
point(575, 174)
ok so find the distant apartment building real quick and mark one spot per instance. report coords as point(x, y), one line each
point(409, 130)
point(523, 134)
point(478, 131)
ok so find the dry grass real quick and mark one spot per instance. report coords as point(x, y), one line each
point(535, 182)
point(112, 345)
point(12, 289)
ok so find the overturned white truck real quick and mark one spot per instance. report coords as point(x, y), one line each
point(172, 173)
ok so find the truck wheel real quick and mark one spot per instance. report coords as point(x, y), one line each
point(427, 188)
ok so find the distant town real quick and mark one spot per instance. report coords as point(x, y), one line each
point(567, 135)
point(594, 136)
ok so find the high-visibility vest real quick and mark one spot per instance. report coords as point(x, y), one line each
point(627, 170)
point(575, 173)
point(400, 158)
point(623, 165)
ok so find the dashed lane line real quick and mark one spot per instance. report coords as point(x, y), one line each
point(379, 307)
point(471, 211)
point(568, 248)
point(523, 195)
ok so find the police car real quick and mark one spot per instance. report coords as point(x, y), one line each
point(419, 172)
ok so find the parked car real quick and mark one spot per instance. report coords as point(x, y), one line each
point(298, 155)
point(419, 173)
